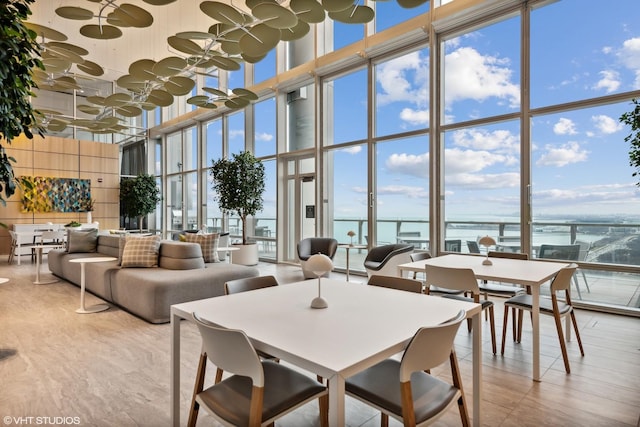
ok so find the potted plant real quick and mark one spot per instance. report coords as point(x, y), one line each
point(239, 186)
point(632, 119)
point(139, 197)
point(87, 206)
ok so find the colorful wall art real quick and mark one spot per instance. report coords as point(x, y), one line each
point(44, 194)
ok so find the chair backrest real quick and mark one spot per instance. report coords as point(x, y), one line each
point(419, 256)
point(461, 279)
point(568, 252)
point(473, 247)
point(230, 350)
point(317, 245)
point(249, 284)
point(429, 347)
point(453, 245)
point(510, 255)
point(380, 253)
point(584, 249)
point(562, 280)
point(394, 282)
point(52, 236)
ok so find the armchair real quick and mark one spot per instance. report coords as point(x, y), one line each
point(384, 260)
point(315, 245)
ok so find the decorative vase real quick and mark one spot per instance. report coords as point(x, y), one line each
point(89, 219)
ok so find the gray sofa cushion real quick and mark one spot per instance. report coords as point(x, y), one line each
point(109, 244)
point(82, 240)
point(180, 255)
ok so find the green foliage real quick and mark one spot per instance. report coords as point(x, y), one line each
point(19, 54)
point(239, 185)
point(139, 196)
point(632, 119)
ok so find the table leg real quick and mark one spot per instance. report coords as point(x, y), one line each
point(336, 400)
point(347, 249)
point(535, 321)
point(477, 368)
point(19, 250)
point(175, 371)
point(38, 281)
point(93, 309)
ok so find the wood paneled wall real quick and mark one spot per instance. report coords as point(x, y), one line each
point(65, 158)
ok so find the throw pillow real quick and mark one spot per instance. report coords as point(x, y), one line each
point(140, 251)
point(82, 240)
point(208, 243)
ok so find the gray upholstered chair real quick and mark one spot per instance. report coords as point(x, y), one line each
point(384, 260)
point(258, 392)
point(404, 390)
point(395, 282)
point(315, 245)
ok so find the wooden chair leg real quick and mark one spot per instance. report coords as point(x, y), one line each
point(575, 328)
point(563, 345)
point(197, 388)
point(514, 323)
point(505, 322)
point(384, 420)
point(457, 382)
point(492, 323)
point(219, 373)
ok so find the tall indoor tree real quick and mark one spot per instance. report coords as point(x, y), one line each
point(19, 55)
point(139, 196)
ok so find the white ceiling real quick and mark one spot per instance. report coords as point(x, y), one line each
point(115, 55)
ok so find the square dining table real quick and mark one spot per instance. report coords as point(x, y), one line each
point(362, 326)
point(523, 272)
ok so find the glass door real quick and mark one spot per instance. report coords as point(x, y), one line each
point(301, 211)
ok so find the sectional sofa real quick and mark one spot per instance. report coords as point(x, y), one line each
point(181, 275)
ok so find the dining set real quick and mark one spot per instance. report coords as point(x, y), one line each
point(363, 326)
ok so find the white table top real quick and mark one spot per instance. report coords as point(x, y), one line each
point(94, 259)
point(524, 272)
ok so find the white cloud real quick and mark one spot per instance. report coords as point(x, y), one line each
point(239, 133)
point(409, 191)
point(599, 196)
point(484, 181)
point(415, 117)
point(467, 161)
point(471, 75)
point(610, 81)
point(262, 136)
point(501, 141)
point(404, 79)
point(411, 164)
point(606, 124)
point(562, 155)
point(629, 55)
point(565, 127)
point(353, 150)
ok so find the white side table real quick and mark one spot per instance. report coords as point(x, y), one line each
point(230, 250)
point(39, 249)
point(348, 247)
point(83, 262)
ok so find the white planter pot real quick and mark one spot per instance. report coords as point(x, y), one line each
point(245, 255)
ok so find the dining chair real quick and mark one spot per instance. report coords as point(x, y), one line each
point(551, 307)
point(315, 245)
point(395, 282)
point(461, 279)
point(563, 252)
point(404, 390)
point(473, 247)
point(435, 290)
point(258, 392)
point(384, 260)
point(454, 245)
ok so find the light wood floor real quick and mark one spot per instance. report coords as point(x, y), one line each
point(112, 369)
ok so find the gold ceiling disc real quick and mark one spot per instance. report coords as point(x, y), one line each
point(128, 111)
point(185, 46)
point(229, 42)
point(408, 4)
point(158, 2)
point(198, 100)
point(245, 93)
point(46, 32)
point(169, 66)
point(147, 106)
point(216, 92)
point(66, 46)
point(275, 16)
point(225, 63)
point(194, 35)
point(236, 103)
point(76, 13)
point(219, 29)
point(66, 55)
point(114, 20)
point(89, 109)
point(133, 16)
point(86, 123)
point(222, 12)
point(101, 32)
point(142, 69)
point(260, 40)
point(354, 15)
point(43, 112)
point(95, 99)
point(295, 33)
point(310, 11)
point(253, 59)
point(90, 68)
point(161, 98)
point(56, 65)
point(117, 99)
point(199, 62)
point(67, 82)
point(336, 5)
point(110, 121)
point(131, 83)
point(39, 74)
point(57, 125)
point(253, 3)
point(179, 85)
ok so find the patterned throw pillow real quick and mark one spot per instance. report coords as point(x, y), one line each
point(141, 251)
point(208, 243)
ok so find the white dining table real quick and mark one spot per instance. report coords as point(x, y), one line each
point(362, 326)
point(523, 272)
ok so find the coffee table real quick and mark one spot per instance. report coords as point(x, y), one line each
point(83, 262)
point(39, 249)
point(348, 247)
